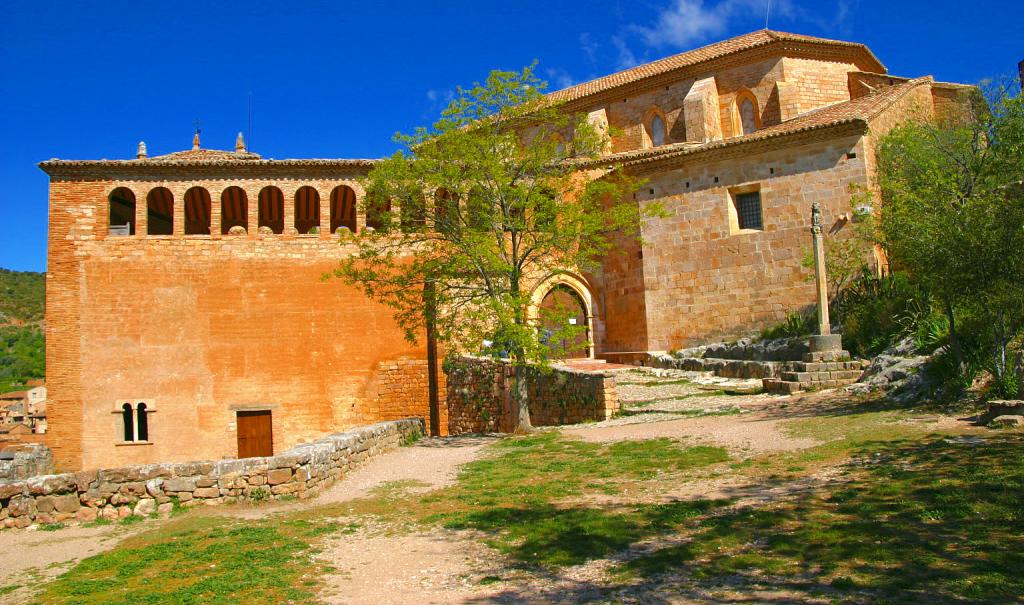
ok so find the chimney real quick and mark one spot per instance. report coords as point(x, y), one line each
point(141, 153)
point(195, 141)
point(239, 143)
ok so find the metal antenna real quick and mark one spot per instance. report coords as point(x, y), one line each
point(767, 12)
point(249, 136)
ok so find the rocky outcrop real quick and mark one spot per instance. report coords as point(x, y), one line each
point(153, 488)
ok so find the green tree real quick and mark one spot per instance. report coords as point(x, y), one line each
point(489, 199)
point(952, 215)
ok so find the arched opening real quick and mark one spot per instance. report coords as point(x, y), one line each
point(343, 208)
point(160, 212)
point(446, 210)
point(121, 219)
point(143, 422)
point(746, 108)
point(564, 323)
point(307, 210)
point(271, 209)
point(234, 210)
point(197, 211)
point(655, 128)
point(378, 213)
point(413, 213)
point(128, 422)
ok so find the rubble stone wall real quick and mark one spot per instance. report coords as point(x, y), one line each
point(25, 460)
point(480, 398)
point(153, 488)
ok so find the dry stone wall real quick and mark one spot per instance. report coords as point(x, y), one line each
point(24, 460)
point(144, 489)
point(479, 395)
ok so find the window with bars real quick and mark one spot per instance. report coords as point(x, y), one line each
point(748, 210)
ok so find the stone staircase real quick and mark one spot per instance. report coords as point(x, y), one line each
point(818, 370)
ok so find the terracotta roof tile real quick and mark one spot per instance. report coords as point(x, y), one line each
point(697, 56)
point(197, 155)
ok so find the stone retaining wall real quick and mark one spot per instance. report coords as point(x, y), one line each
point(726, 368)
point(479, 396)
point(121, 492)
point(24, 460)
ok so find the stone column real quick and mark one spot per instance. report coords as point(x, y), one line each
point(824, 340)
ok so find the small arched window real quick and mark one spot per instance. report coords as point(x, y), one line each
point(160, 212)
point(121, 218)
point(197, 211)
point(129, 422)
point(378, 213)
point(343, 208)
point(271, 209)
point(234, 210)
point(143, 422)
point(657, 131)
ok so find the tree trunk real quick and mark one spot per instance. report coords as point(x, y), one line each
point(521, 396)
point(954, 338)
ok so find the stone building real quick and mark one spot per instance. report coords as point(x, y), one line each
point(187, 318)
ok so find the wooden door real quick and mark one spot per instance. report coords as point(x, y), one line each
point(255, 434)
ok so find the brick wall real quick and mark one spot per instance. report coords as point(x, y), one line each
point(480, 396)
point(204, 326)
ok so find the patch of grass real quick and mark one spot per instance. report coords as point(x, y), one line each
point(937, 521)
point(99, 522)
point(198, 560)
point(9, 588)
point(132, 520)
point(411, 439)
point(51, 526)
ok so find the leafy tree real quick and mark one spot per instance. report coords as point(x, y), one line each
point(952, 215)
point(22, 347)
point(489, 199)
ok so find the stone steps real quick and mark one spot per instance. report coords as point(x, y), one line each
point(819, 370)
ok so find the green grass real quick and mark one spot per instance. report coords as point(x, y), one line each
point(938, 521)
point(51, 526)
point(518, 495)
point(199, 560)
point(8, 589)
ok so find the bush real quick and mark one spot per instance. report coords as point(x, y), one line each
point(796, 324)
point(876, 312)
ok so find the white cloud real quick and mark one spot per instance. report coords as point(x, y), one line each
point(688, 22)
point(626, 57)
point(558, 78)
point(589, 46)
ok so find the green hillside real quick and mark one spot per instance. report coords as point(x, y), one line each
point(22, 347)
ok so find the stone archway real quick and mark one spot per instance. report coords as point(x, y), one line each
point(572, 296)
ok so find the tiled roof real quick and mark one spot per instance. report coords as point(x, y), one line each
point(704, 54)
point(14, 395)
point(859, 110)
point(206, 155)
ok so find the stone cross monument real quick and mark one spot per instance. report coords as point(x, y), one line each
point(824, 340)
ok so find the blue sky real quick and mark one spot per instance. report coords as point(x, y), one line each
point(88, 80)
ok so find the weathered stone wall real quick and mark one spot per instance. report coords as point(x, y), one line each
point(141, 490)
point(707, 280)
point(25, 460)
point(480, 396)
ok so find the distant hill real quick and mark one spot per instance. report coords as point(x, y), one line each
point(22, 346)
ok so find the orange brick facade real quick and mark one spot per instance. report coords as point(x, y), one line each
point(205, 326)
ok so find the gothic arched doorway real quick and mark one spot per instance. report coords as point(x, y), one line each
point(562, 310)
